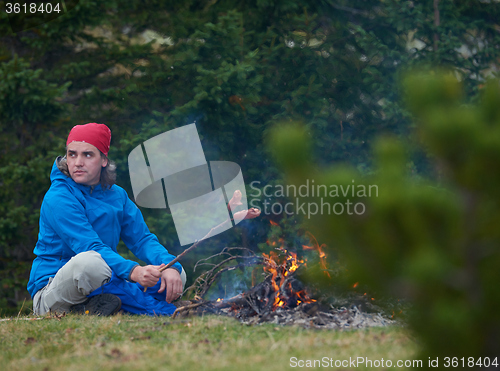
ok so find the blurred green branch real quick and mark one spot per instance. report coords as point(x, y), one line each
point(438, 246)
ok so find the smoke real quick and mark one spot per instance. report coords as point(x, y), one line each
point(236, 281)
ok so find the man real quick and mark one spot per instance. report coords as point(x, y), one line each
point(82, 218)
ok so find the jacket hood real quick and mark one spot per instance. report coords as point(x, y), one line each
point(56, 174)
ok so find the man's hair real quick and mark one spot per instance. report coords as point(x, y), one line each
point(108, 172)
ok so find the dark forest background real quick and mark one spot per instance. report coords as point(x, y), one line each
point(236, 69)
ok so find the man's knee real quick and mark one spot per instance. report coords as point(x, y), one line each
point(80, 276)
point(91, 266)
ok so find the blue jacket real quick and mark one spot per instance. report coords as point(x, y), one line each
point(75, 218)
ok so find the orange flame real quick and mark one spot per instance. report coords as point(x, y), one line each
point(277, 301)
point(322, 256)
point(283, 266)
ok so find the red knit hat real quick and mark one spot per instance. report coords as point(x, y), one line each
point(98, 135)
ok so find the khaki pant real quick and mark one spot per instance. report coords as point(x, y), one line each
point(81, 275)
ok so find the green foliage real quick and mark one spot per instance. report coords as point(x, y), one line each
point(437, 246)
point(30, 111)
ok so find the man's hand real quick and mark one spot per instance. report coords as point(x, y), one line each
point(171, 280)
point(147, 276)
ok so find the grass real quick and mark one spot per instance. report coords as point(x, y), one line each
point(125, 342)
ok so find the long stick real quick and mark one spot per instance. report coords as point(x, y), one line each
point(175, 260)
point(190, 306)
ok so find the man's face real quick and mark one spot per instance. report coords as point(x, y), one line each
point(85, 163)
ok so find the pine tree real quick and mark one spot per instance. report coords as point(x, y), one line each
point(434, 244)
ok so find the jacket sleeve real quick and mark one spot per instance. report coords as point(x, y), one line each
point(136, 235)
point(67, 217)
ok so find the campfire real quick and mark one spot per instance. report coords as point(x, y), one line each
point(281, 297)
point(285, 294)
